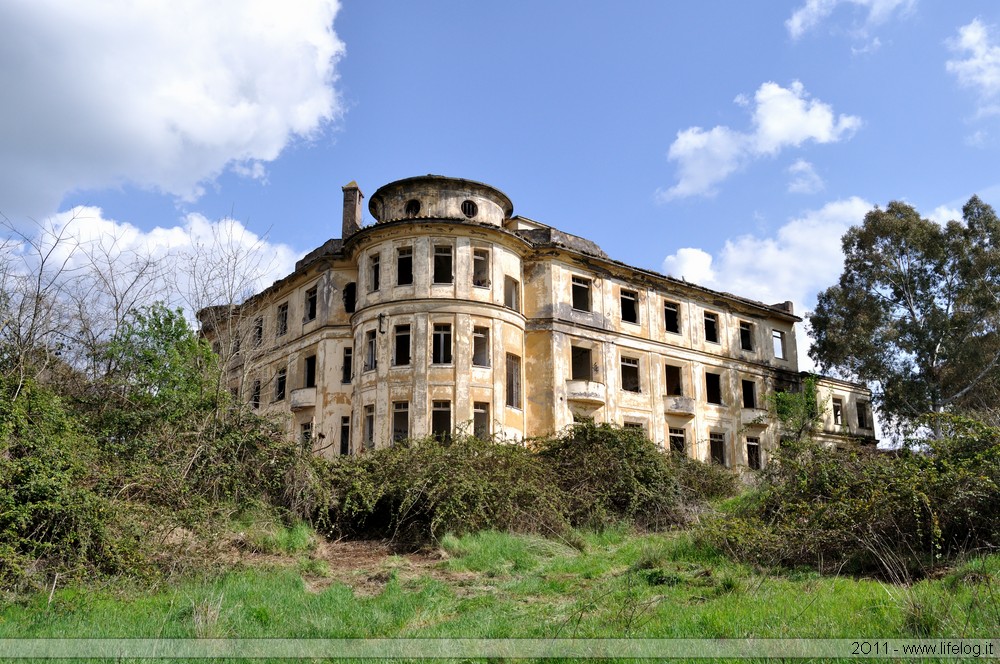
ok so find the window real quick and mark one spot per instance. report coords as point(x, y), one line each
point(404, 266)
point(371, 359)
point(441, 351)
point(513, 381)
point(481, 346)
point(675, 385)
point(279, 384)
point(581, 294)
point(441, 420)
point(713, 388)
point(401, 346)
point(306, 435)
point(310, 372)
point(348, 367)
point(637, 426)
point(400, 421)
point(672, 317)
point(369, 427)
point(481, 268)
point(717, 443)
point(374, 272)
point(630, 307)
point(864, 415)
point(255, 395)
point(749, 389)
point(236, 343)
point(350, 297)
point(630, 374)
point(310, 303)
point(677, 440)
point(838, 411)
point(412, 208)
point(582, 365)
point(470, 209)
point(746, 335)
point(511, 293)
point(712, 328)
point(778, 340)
point(481, 420)
point(753, 453)
point(282, 319)
point(258, 332)
point(442, 264)
point(345, 435)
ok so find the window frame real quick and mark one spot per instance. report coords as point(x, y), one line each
point(404, 256)
point(513, 384)
point(633, 363)
point(281, 320)
point(371, 351)
point(778, 344)
point(481, 276)
point(746, 336)
point(397, 411)
point(717, 455)
point(374, 272)
point(443, 256)
point(711, 316)
point(676, 306)
point(442, 344)
point(575, 363)
point(280, 384)
point(709, 375)
point(400, 331)
point(581, 288)
point(633, 296)
point(481, 351)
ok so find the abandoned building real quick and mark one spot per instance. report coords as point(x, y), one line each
point(450, 313)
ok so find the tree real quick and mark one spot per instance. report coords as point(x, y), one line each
point(916, 310)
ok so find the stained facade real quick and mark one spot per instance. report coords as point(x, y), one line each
point(451, 313)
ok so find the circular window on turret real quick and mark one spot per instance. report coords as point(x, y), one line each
point(412, 207)
point(470, 209)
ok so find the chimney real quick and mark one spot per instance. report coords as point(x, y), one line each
point(352, 209)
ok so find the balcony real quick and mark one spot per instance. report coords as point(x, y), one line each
point(754, 417)
point(676, 405)
point(586, 391)
point(302, 398)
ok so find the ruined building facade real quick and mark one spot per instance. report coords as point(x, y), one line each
point(449, 314)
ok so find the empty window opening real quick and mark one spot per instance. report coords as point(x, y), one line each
point(717, 443)
point(838, 411)
point(481, 268)
point(513, 381)
point(400, 421)
point(511, 293)
point(481, 420)
point(581, 294)
point(778, 340)
point(255, 395)
point(637, 426)
point(470, 209)
point(282, 319)
point(746, 335)
point(404, 266)
point(369, 427)
point(401, 351)
point(675, 384)
point(306, 435)
point(712, 328)
point(713, 388)
point(582, 364)
point(412, 208)
point(345, 435)
point(441, 420)
point(753, 453)
point(371, 359)
point(677, 440)
point(347, 370)
point(630, 306)
point(481, 346)
point(442, 264)
point(864, 416)
point(441, 351)
point(374, 272)
point(630, 374)
point(311, 303)
point(749, 389)
point(350, 297)
point(280, 379)
point(310, 372)
point(672, 317)
point(258, 332)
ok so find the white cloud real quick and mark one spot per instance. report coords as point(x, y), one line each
point(980, 68)
point(814, 12)
point(942, 214)
point(804, 180)
point(782, 118)
point(164, 95)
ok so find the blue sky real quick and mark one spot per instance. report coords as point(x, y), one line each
point(728, 142)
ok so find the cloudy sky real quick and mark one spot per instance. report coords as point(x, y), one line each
point(728, 143)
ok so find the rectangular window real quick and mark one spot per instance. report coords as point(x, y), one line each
point(279, 384)
point(513, 381)
point(310, 372)
point(369, 427)
point(746, 335)
point(442, 264)
point(581, 294)
point(481, 346)
point(630, 374)
point(838, 411)
point(348, 367)
point(481, 268)
point(371, 359)
point(675, 384)
point(350, 297)
point(864, 416)
point(778, 340)
point(481, 420)
point(713, 388)
point(717, 443)
point(749, 389)
point(311, 303)
point(672, 317)
point(582, 364)
point(712, 328)
point(441, 351)
point(511, 293)
point(401, 351)
point(753, 453)
point(345, 435)
point(281, 326)
point(258, 332)
point(441, 420)
point(255, 395)
point(400, 421)
point(306, 435)
point(404, 266)
point(638, 426)
point(374, 272)
point(630, 306)
point(677, 440)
